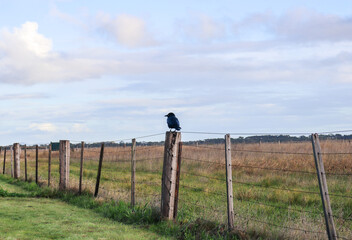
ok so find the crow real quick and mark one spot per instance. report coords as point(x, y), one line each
point(172, 121)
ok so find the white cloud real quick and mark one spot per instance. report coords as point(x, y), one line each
point(32, 40)
point(26, 57)
point(22, 96)
point(44, 127)
point(79, 128)
point(306, 25)
point(126, 29)
point(203, 28)
point(297, 25)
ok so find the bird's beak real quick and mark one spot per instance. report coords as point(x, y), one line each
point(165, 116)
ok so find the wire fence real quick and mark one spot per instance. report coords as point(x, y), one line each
point(276, 191)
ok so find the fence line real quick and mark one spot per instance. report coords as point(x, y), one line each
point(148, 170)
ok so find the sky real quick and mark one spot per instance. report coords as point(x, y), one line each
point(110, 70)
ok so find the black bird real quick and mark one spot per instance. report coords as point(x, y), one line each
point(172, 121)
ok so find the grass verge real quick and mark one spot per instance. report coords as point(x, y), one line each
point(47, 207)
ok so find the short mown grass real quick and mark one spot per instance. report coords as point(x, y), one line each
point(45, 213)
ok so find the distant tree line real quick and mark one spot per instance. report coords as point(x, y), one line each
point(250, 139)
point(270, 139)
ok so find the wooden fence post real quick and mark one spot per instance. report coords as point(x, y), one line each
point(11, 149)
point(49, 165)
point(25, 163)
point(64, 156)
point(3, 170)
point(329, 221)
point(16, 158)
point(133, 172)
point(168, 181)
point(99, 170)
point(229, 189)
point(81, 169)
point(178, 174)
point(36, 164)
point(0, 150)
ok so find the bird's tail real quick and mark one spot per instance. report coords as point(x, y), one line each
point(178, 129)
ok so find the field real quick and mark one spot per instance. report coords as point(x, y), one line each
point(26, 216)
point(275, 185)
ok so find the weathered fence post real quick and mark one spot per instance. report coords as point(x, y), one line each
point(64, 157)
point(16, 158)
point(12, 172)
point(329, 221)
point(49, 165)
point(36, 164)
point(99, 170)
point(81, 169)
point(25, 163)
point(133, 172)
point(168, 181)
point(3, 170)
point(178, 174)
point(229, 189)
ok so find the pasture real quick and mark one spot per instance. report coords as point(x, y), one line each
point(276, 191)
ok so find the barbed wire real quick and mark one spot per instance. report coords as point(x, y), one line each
point(204, 161)
point(338, 174)
point(116, 151)
point(264, 134)
point(276, 188)
point(201, 206)
point(335, 153)
point(276, 225)
point(200, 175)
point(148, 171)
point(114, 191)
point(149, 159)
point(247, 133)
point(201, 190)
point(140, 137)
point(214, 148)
point(290, 190)
point(270, 152)
point(142, 148)
point(289, 170)
point(279, 207)
point(272, 169)
point(339, 195)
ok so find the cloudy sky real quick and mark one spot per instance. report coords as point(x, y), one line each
point(110, 70)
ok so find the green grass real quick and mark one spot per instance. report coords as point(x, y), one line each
point(44, 213)
point(10, 188)
point(39, 218)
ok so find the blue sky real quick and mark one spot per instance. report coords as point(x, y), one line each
point(109, 70)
